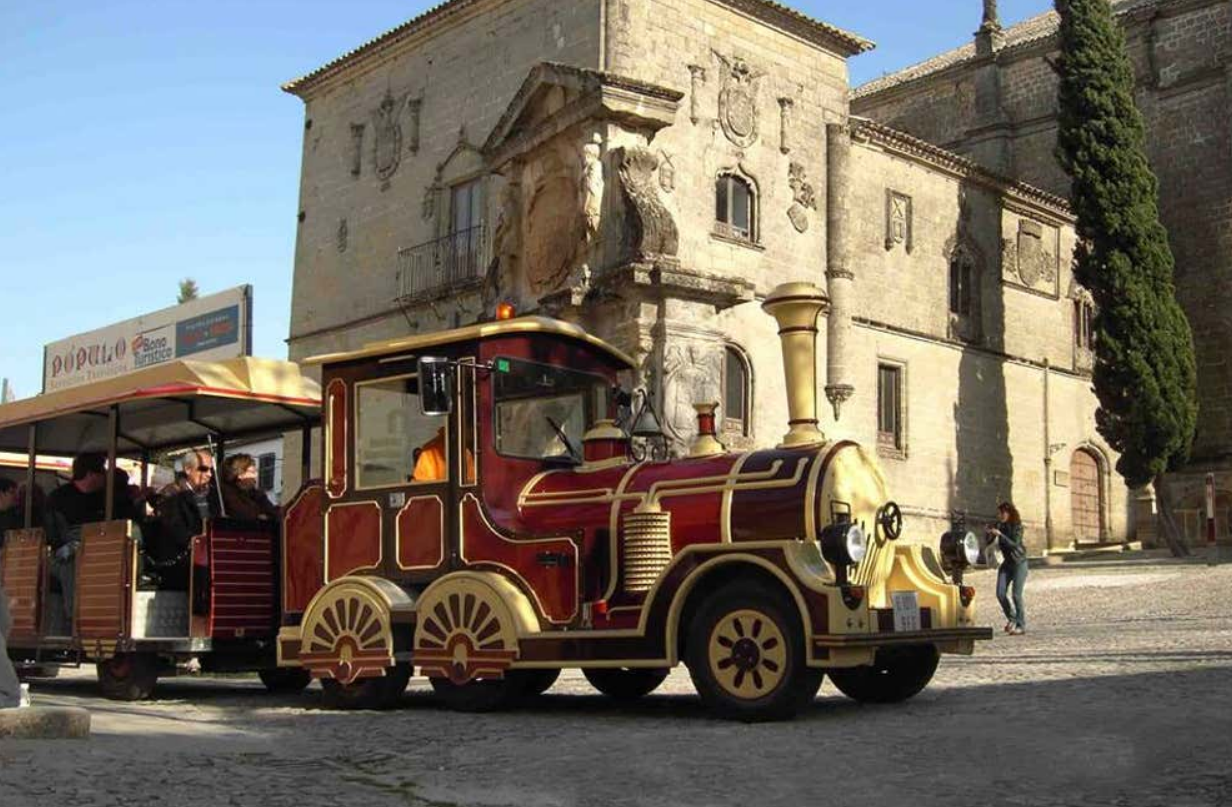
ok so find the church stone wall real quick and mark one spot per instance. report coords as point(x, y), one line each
point(1180, 50)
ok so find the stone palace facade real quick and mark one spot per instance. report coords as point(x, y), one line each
point(651, 169)
point(994, 100)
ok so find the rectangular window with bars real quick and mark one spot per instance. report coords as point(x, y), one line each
point(890, 406)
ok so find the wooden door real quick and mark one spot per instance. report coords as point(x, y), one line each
point(1086, 498)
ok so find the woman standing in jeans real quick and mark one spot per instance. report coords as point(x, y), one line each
point(1013, 570)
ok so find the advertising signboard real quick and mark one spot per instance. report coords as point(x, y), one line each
point(215, 327)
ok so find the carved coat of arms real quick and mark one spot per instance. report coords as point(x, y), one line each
point(1036, 263)
point(738, 101)
point(387, 135)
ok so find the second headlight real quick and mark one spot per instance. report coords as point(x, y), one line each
point(844, 543)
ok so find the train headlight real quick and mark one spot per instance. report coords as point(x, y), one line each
point(844, 544)
point(960, 550)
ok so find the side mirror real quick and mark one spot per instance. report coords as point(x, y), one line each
point(435, 385)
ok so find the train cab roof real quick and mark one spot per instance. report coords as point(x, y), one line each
point(481, 331)
point(168, 405)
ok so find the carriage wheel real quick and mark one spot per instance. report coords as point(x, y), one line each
point(745, 653)
point(367, 693)
point(897, 673)
point(128, 676)
point(285, 680)
point(626, 683)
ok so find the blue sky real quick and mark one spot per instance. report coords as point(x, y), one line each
point(144, 142)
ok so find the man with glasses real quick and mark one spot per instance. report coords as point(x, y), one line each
point(182, 510)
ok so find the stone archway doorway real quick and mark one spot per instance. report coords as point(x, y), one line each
point(1086, 497)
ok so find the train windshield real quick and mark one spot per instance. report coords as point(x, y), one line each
point(543, 410)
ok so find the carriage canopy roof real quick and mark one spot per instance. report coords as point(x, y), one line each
point(170, 405)
point(485, 330)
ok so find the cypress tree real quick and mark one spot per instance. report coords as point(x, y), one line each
point(1145, 372)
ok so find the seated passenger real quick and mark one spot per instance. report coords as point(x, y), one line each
point(430, 464)
point(79, 501)
point(241, 497)
point(183, 507)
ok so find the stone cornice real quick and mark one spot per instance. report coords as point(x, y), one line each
point(904, 145)
point(776, 14)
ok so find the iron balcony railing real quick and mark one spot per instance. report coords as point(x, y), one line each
point(458, 259)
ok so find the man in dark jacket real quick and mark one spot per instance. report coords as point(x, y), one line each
point(10, 512)
point(182, 510)
point(83, 500)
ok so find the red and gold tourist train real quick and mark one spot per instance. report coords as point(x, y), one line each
point(483, 519)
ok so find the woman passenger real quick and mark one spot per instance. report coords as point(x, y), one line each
point(240, 494)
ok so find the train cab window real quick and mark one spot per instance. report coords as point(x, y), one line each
point(542, 410)
point(395, 443)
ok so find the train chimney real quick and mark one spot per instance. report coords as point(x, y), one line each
point(796, 306)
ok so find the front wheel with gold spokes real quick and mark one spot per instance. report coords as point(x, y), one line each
point(745, 653)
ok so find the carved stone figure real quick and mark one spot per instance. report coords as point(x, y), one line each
point(591, 186)
point(649, 229)
point(786, 107)
point(738, 101)
point(803, 197)
point(357, 149)
point(387, 136)
point(697, 77)
point(414, 108)
point(508, 222)
point(691, 374)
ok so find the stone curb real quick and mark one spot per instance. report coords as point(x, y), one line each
point(44, 723)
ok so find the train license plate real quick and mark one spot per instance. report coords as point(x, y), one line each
point(906, 611)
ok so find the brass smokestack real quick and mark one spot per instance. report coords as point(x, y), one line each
point(796, 306)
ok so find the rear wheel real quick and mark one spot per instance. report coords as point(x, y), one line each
point(285, 680)
point(128, 676)
point(36, 672)
point(626, 683)
point(745, 653)
point(367, 693)
point(897, 673)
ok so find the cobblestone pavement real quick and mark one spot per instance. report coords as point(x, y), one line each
point(1120, 694)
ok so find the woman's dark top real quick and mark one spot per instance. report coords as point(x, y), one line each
point(1010, 542)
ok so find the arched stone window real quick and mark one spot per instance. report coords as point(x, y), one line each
point(963, 287)
point(737, 392)
point(1084, 327)
point(735, 207)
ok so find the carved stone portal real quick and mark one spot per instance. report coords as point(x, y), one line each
point(649, 231)
point(738, 101)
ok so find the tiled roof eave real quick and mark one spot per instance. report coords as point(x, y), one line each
point(844, 42)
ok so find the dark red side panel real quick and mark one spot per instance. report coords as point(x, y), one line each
point(352, 539)
point(104, 585)
point(303, 558)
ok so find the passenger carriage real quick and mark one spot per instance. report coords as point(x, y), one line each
point(136, 616)
point(535, 541)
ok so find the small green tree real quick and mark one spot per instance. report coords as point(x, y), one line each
point(188, 291)
point(1145, 373)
